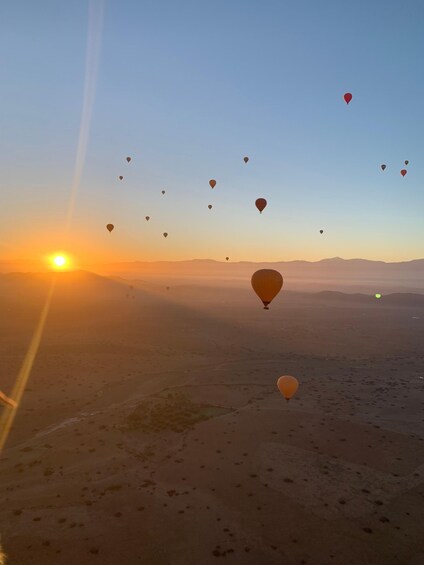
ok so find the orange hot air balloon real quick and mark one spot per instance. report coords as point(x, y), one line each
point(165, 234)
point(403, 172)
point(147, 218)
point(128, 159)
point(347, 97)
point(110, 227)
point(261, 204)
point(6, 400)
point(267, 283)
point(288, 386)
point(383, 167)
point(245, 159)
point(121, 178)
point(210, 206)
point(212, 182)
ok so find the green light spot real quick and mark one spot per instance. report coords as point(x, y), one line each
point(378, 295)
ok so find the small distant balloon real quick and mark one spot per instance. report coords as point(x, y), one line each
point(128, 159)
point(261, 204)
point(383, 167)
point(163, 192)
point(245, 159)
point(406, 162)
point(110, 227)
point(403, 172)
point(210, 206)
point(168, 287)
point(212, 183)
point(121, 178)
point(347, 97)
point(288, 386)
point(321, 231)
point(165, 234)
point(227, 258)
point(147, 218)
point(267, 283)
point(378, 295)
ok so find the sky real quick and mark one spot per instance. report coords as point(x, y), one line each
point(187, 89)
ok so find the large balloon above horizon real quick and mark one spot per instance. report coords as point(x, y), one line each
point(288, 386)
point(267, 283)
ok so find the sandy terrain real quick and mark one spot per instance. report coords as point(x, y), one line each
point(152, 432)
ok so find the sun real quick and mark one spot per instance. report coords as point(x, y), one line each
point(59, 262)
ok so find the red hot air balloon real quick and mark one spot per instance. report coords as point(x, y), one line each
point(260, 204)
point(212, 183)
point(347, 97)
point(403, 172)
point(383, 167)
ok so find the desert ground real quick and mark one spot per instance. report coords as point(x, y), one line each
point(152, 431)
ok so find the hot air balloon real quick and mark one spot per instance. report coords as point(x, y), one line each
point(267, 283)
point(347, 97)
point(147, 218)
point(6, 400)
point(321, 231)
point(210, 206)
point(245, 159)
point(212, 182)
point(260, 204)
point(383, 167)
point(227, 258)
point(110, 227)
point(288, 386)
point(406, 162)
point(403, 172)
point(167, 288)
point(128, 159)
point(163, 192)
point(165, 234)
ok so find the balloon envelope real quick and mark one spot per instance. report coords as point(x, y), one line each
point(226, 258)
point(321, 231)
point(288, 386)
point(128, 159)
point(212, 182)
point(147, 218)
point(245, 159)
point(163, 192)
point(403, 172)
point(406, 162)
point(120, 178)
point(383, 167)
point(110, 227)
point(165, 235)
point(260, 204)
point(267, 283)
point(347, 97)
point(210, 206)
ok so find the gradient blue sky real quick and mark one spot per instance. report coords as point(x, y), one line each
point(188, 89)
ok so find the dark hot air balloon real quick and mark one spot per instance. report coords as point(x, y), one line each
point(212, 183)
point(383, 167)
point(110, 227)
point(406, 162)
point(245, 159)
point(261, 204)
point(147, 218)
point(321, 231)
point(163, 192)
point(347, 97)
point(267, 283)
point(165, 234)
point(128, 159)
point(210, 206)
point(227, 258)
